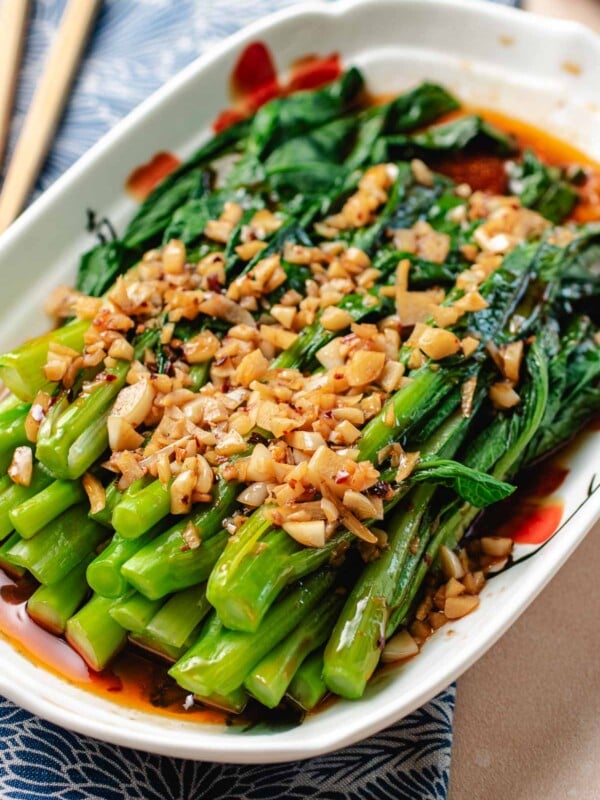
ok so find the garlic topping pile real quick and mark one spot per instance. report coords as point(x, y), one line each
point(217, 407)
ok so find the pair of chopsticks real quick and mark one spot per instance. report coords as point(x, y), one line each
point(49, 98)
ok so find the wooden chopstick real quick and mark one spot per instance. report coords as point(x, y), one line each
point(13, 16)
point(46, 106)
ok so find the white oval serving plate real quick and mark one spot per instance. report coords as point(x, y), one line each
point(545, 72)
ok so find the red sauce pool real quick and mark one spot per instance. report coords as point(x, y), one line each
point(134, 680)
point(533, 513)
point(486, 172)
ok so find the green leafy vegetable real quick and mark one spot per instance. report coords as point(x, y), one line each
point(469, 131)
point(542, 187)
point(474, 486)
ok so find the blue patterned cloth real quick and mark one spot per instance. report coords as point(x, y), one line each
point(126, 60)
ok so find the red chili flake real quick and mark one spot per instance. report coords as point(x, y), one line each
point(342, 476)
point(109, 377)
point(214, 285)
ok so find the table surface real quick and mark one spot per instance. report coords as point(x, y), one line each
point(527, 720)
point(587, 11)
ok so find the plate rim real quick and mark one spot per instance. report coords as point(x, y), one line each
point(274, 747)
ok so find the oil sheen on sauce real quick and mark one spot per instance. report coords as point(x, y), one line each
point(530, 516)
point(135, 680)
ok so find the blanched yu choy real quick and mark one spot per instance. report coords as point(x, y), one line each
point(271, 409)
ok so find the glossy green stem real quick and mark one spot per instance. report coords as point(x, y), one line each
point(251, 573)
point(239, 553)
point(69, 443)
point(9, 402)
point(14, 494)
point(308, 688)
point(134, 611)
point(220, 662)
point(148, 642)
point(168, 565)
point(271, 677)
point(104, 573)
point(179, 617)
point(52, 605)
point(354, 649)
point(21, 370)
point(94, 634)
point(140, 510)
point(113, 496)
point(409, 405)
point(11, 569)
point(12, 428)
point(243, 595)
point(29, 517)
point(63, 544)
point(233, 702)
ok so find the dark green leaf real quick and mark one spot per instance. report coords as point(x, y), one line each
point(327, 144)
point(287, 117)
point(412, 110)
point(542, 187)
point(100, 266)
point(189, 220)
point(459, 134)
point(187, 181)
point(156, 211)
point(475, 487)
point(301, 184)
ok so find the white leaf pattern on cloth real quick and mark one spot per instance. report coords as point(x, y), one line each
point(410, 761)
